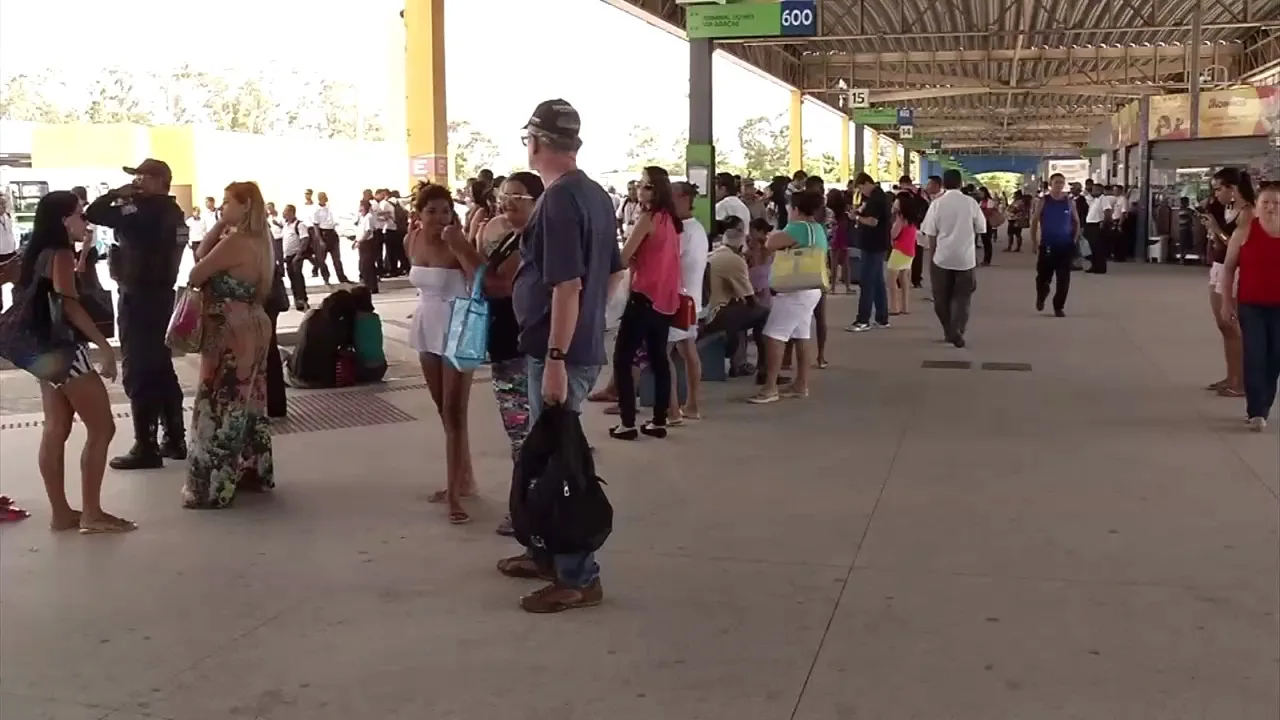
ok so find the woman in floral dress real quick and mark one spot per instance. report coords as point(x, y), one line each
point(230, 430)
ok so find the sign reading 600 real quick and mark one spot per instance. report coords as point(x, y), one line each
point(799, 17)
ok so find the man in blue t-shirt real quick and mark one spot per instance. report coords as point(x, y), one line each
point(569, 265)
point(1055, 227)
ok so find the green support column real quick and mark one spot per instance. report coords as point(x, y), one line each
point(700, 157)
point(859, 149)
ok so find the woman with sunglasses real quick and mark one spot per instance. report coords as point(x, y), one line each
point(652, 252)
point(500, 245)
point(1230, 208)
point(69, 384)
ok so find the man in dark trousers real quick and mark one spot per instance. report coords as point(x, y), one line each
point(149, 245)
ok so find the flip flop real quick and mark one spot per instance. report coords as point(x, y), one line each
point(1229, 392)
point(1215, 386)
point(763, 399)
point(441, 496)
point(106, 526)
point(13, 513)
point(459, 517)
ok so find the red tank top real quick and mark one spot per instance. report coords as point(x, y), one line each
point(655, 269)
point(1259, 268)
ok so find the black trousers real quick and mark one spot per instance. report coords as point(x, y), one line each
point(370, 254)
point(952, 297)
point(330, 249)
point(917, 267)
point(395, 261)
point(147, 371)
point(988, 245)
point(735, 318)
point(1015, 236)
point(297, 280)
point(277, 401)
point(1054, 263)
point(1099, 246)
point(642, 326)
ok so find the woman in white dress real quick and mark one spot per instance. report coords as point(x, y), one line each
point(694, 249)
point(442, 263)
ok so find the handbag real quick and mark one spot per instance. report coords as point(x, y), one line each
point(97, 301)
point(686, 314)
point(186, 325)
point(466, 340)
point(27, 345)
point(800, 268)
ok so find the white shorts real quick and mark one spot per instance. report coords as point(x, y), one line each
point(676, 334)
point(1215, 278)
point(791, 316)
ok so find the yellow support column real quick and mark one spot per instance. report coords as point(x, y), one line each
point(873, 163)
point(844, 151)
point(797, 130)
point(424, 80)
point(895, 162)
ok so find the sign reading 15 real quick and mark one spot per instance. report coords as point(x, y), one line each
point(799, 17)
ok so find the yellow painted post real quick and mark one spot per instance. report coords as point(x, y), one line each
point(797, 130)
point(873, 163)
point(844, 151)
point(895, 162)
point(426, 121)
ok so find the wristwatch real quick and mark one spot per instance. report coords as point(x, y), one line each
point(555, 354)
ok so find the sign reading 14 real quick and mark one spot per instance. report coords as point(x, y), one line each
point(799, 17)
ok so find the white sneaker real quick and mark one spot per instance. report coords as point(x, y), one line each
point(858, 327)
point(1257, 424)
point(884, 326)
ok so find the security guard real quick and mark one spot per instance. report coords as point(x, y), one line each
point(150, 232)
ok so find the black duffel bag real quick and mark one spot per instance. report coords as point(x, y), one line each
point(558, 503)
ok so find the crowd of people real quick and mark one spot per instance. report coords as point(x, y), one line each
point(555, 256)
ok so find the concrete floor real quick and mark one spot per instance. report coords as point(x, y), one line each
point(1094, 539)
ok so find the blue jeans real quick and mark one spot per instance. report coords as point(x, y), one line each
point(572, 569)
point(1260, 333)
point(872, 289)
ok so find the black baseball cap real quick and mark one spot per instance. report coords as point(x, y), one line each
point(152, 168)
point(555, 119)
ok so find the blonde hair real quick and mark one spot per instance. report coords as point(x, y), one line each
point(254, 225)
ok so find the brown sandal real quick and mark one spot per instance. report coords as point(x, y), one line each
point(107, 525)
point(1230, 392)
point(522, 567)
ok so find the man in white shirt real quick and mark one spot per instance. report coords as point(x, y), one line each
point(385, 229)
point(1100, 207)
point(329, 247)
point(629, 211)
point(311, 246)
point(951, 228)
point(367, 246)
point(8, 239)
point(727, 201)
point(294, 242)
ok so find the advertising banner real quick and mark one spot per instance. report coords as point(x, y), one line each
point(1124, 125)
point(1238, 112)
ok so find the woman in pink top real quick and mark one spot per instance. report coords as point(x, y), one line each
point(908, 213)
point(652, 252)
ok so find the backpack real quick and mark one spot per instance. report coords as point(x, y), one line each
point(401, 216)
point(557, 503)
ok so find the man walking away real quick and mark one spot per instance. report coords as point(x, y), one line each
point(1054, 229)
point(874, 225)
point(293, 242)
point(952, 227)
point(570, 264)
point(330, 243)
point(145, 260)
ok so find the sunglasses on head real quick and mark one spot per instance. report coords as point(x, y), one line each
point(503, 197)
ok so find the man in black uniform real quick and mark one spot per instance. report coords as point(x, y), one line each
point(150, 231)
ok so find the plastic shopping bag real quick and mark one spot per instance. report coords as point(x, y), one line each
point(617, 303)
point(186, 324)
point(466, 341)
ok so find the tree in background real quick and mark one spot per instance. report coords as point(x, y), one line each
point(1001, 184)
point(472, 150)
point(646, 149)
point(766, 147)
point(825, 166)
point(186, 96)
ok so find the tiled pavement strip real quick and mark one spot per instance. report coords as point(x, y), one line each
point(1095, 538)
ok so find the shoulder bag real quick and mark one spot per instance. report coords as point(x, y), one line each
point(800, 268)
point(466, 339)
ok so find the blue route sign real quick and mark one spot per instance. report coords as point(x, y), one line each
point(799, 18)
point(906, 116)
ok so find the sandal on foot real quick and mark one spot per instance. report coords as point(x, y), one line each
point(622, 432)
point(1230, 392)
point(689, 417)
point(822, 365)
point(654, 430)
point(441, 496)
point(523, 567)
point(791, 393)
point(675, 420)
point(459, 517)
point(1215, 386)
point(763, 398)
point(505, 528)
point(106, 525)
